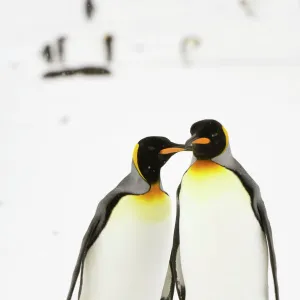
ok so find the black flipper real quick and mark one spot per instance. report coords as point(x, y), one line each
point(175, 256)
point(96, 226)
point(259, 211)
point(132, 184)
point(81, 257)
point(268, 232)
point(168, 289)
point(174, 275)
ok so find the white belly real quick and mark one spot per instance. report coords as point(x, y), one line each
point(223, 250)
point(129, 260)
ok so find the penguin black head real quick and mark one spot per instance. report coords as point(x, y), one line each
point(209, 139)
point(150, 155)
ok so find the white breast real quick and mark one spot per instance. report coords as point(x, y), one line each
point(223, 249)
point(130, 258)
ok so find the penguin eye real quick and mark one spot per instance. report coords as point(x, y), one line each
point(214, 134)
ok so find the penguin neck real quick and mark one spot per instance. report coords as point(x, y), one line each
point(155, 189)
point(225, 159)
point(201, 162)
point(153, 180)
point(204, 166)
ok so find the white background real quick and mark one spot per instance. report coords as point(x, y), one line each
point(65, 143)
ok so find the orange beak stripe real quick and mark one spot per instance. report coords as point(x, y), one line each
point(202, 141)
point(170, 150)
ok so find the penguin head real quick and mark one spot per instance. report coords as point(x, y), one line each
point(209, 139)
point(151, 153)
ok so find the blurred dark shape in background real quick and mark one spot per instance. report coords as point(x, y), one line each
point(108, 41)
point(91, 70)
point(47, 53)
point(57, 53)
point(61, 48)
point(89, 9)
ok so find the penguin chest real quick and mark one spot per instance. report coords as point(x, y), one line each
point(130, 258)
point(223, 249)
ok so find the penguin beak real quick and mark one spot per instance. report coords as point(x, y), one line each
point(174, 148)
point(188, 143)
point(195, 140)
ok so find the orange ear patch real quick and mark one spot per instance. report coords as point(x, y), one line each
point(170, 150)
point(202, 141)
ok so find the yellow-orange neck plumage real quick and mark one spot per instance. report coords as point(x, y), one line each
point(154, 206)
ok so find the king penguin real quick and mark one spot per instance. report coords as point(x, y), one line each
point(222, 234)
point(126, 249)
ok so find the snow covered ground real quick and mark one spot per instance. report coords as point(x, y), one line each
point(65, 143)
